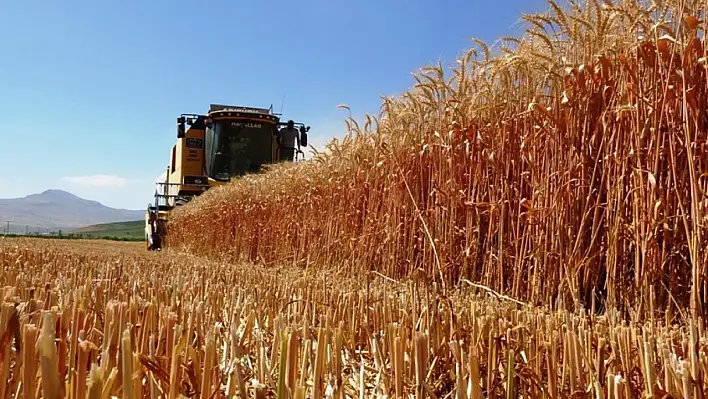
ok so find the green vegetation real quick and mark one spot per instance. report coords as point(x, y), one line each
point(119, 231)
point(72, 236)
point(130, 231)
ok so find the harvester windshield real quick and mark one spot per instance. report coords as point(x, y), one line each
point(235, 148)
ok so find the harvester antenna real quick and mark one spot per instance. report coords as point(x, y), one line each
point(282, 105)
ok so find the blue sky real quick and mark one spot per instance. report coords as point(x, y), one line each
point(90, 89)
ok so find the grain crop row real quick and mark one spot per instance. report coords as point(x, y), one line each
point(570, 166)
point(110, 320)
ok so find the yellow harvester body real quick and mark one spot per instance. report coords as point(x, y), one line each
point(227, 142)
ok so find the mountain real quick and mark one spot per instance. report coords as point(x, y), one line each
point(58, 209)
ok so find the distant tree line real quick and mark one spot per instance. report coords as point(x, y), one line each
point(9, 229)
point(75, 237)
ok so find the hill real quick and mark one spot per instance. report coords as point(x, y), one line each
point(133, 229)
point(58, 209)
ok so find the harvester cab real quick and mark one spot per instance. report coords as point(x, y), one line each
point(226, 143)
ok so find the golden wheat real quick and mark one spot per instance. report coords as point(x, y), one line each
point(570, 167)
point(78, 322)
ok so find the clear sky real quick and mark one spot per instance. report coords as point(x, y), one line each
point(90, 90)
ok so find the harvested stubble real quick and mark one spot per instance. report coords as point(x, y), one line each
point(572, 165)
point(173, 325)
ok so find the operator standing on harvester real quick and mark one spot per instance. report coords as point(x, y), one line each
point(288, 136)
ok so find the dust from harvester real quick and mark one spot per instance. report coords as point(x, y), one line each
point(570, 167)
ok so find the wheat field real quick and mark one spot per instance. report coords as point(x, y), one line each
point(101, 320)
point(530, 224)
point(567, 165)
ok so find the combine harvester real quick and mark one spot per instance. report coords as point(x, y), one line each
point(228, 142)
